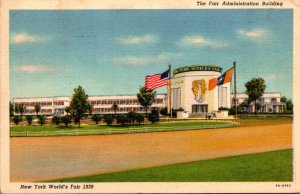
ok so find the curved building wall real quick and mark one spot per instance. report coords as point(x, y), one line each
point(190, 90)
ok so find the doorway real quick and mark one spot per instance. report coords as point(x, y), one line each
point(199, 108)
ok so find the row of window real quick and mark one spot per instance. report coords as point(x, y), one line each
point(123, 101)
point(260, 100)
point(96, 110)
point(31, 111)
point(125, 109)
point(93, 102)
point(39, 103)
point(33, 103)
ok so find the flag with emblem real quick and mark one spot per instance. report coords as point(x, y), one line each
point(156, 81)
point(223, 79)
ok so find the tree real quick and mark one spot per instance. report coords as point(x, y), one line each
point(258, 107)
point(66, 120)
point(283, 99)
point(289, 105)
point(68, 110)
point(164, 111)
point(17, 110)
point(42, 120)
point(115, 107)
point(139, 118)
point(255, 89)
point(29, 119)
point(11, 109)
point(131, 117)
point(21, 109)
point(79, 104)
point(153, 116)
point(90, 109)
point(288, 102)
point(37, 108)
point(96, 118)
point(243, 107)
point(145, 98)
point(123, 119)
point(56, 119)
point(17, 120)
point(108, 119)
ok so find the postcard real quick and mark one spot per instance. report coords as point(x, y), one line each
point(149, 96)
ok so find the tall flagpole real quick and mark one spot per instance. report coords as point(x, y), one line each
point(169, 92)
point(235, 103)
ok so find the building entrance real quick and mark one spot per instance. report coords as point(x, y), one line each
point(199, 108)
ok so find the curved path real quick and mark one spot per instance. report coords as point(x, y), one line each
point(44, 158)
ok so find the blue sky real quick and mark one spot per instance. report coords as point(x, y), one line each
point(111, 51)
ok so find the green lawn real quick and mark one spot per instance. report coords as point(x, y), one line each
point(266, 117)
point(268, 166)
point(51, 130)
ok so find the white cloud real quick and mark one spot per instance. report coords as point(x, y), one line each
point(197, 40)
point(35, 68)
point(135, 40)
point(271, 77)
point(159, 59)
point(24, 37)
point(254, 34)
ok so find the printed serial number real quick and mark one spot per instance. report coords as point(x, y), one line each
point(283, 185)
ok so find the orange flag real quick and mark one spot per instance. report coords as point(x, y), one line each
point(212, 83)
point(228, 76)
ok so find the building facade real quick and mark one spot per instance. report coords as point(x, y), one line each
point(268, 103)
point(190, 89)
point(101, 104)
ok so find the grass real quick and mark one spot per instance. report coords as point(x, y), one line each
point(268, 166)
point(50, 130)
point(266, 116)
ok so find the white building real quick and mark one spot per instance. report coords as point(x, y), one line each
point(268, 103)
point(101, 104)
point(190, 89)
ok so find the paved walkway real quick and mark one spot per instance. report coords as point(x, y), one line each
point(44, 158)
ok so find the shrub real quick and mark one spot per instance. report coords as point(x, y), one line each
point(108, 119)
point(96, 118)
point(139, 118)
point(66, 120)
point(123, 119)
point(224, 108)
point(174, 113)
point(17, 120)
point(29, 119)
point(56, 119)
point(164, 111)
point(180, 109)
point(131, 117)
point(42, 119)
point(153, 116)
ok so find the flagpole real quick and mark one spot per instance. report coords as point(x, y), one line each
point(169, 92)
point(235, 103)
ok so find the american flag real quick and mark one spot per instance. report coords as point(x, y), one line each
point(155, 81)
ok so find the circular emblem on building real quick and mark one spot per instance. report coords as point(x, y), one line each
point(199, 90)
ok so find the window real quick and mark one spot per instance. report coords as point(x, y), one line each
point(273, 100)
point(223, 97)
point(58, 103)
point(176, 98)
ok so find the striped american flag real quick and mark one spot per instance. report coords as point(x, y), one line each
point(156, 81)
